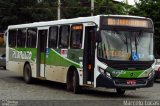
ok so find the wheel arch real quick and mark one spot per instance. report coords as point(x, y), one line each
point(70, 73)
point(27, 62)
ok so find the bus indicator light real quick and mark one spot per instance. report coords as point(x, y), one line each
point(77, 27)
point(89, 66)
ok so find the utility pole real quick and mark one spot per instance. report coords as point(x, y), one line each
point(59, 10)
point(127, 2)
point(135, 1)
point(92, 7)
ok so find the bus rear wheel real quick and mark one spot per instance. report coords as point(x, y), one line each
point(120, 91)
point(4, 67)
point(27, 74)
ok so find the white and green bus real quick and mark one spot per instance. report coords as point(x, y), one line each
point(111, 51)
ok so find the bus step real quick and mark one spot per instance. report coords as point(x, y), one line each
point(86, 85)
point(41, 78)
point(90, 83)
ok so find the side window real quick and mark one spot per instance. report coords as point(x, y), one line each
point(76, 36)
point(21, 38)
point(12, 38)
point(31, 37)
point(64, 36)
point(53, 32)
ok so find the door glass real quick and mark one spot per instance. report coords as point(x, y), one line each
point(89, 54)
point(43, 40)
point(41, 52)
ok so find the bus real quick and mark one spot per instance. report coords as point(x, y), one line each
point(110, 51)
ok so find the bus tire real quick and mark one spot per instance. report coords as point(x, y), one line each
point(76, 86)
point(69, 84)
point(4, 67)
point(120, 91)
point(27, 75)
point(69, 80)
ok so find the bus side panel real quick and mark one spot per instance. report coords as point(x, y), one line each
point(58, 62)
point(13, 66)
point(19, 56)
point(56, 73)
point(12, 63)
point(33, 68)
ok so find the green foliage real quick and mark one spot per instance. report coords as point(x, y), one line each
point(73, 9)
point(26, 11)
point(110, 7)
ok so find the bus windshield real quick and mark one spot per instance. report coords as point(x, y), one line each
point(126, 45)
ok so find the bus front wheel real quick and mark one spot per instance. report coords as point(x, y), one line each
point(73, 81)
point(76, 86)
point(120, 91)
point(27, 74)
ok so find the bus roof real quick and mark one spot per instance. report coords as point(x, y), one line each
point(94, 19)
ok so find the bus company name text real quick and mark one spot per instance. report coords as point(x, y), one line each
point(22, 54)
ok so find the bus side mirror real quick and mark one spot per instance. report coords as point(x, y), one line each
point(98, 36)
point(157, 54)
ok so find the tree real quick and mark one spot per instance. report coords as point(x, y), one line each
point(79, 8)
point(74, 8)
point(26, 11)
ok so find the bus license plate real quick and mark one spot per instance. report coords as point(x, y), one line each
point(131, 82)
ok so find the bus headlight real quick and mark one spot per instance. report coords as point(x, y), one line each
point(104, 72)
point(150, 74)
point(108, 75)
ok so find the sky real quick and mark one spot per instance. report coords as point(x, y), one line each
point(129, 1)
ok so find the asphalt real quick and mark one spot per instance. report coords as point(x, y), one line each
point(13, 88)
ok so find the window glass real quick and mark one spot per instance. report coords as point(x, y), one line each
point(21, 38)
point(42, 34)
point(31, 37)
point(53, 32)
point(12, 38)
point(126, 45)
point(64, 36)
point(76, 36)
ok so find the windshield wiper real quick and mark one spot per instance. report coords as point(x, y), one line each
point(123, 37)
point(137, 38)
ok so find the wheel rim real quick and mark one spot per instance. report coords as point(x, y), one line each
point(26, 76)
point(74, 82)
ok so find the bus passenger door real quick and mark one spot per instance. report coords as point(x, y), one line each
point(41, 52)
point(89, 56)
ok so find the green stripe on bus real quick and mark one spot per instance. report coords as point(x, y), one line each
point(56, 59)
point(22, 54)
point(53, 58)
point(129, 73)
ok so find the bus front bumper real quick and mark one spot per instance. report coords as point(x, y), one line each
point(103, 81)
